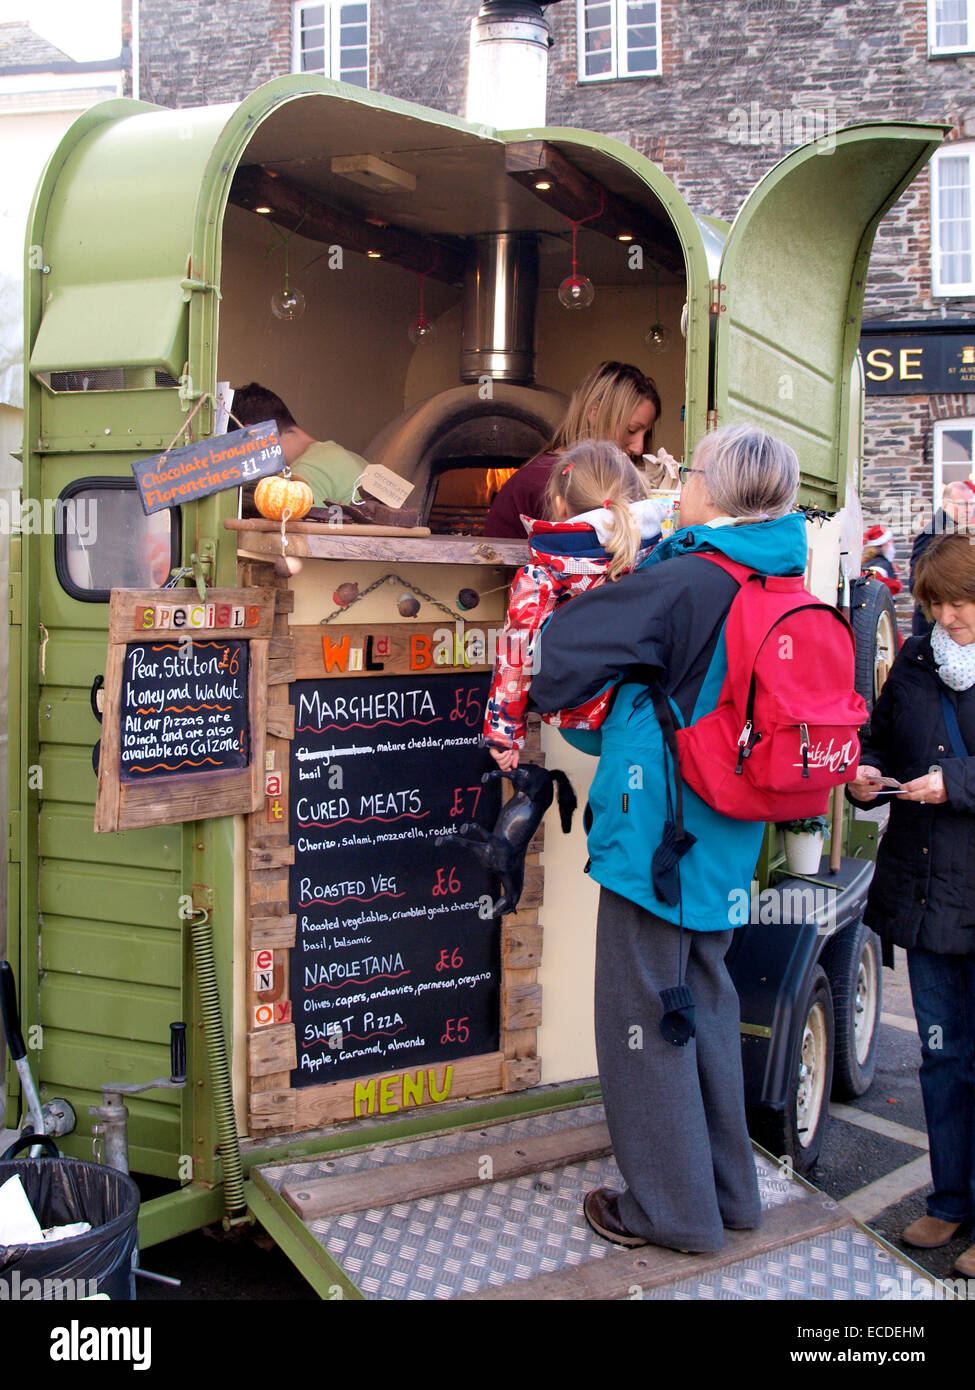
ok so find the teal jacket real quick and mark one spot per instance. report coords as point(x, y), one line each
point(663, 621)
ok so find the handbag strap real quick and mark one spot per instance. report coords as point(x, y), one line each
point(958, 746)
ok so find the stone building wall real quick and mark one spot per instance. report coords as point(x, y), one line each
point(201, 52)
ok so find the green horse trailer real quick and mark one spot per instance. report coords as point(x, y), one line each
point(296, 239)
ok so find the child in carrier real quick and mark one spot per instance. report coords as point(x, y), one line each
point(601, 525)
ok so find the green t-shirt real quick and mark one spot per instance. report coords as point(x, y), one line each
point(330, 471)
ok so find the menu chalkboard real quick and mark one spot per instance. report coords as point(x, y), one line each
point(183, 706)
point(397, 958)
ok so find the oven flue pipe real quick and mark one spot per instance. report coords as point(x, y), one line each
point(508, 74)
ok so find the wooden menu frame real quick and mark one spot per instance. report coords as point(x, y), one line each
point(149, 615)
point(274, 1106)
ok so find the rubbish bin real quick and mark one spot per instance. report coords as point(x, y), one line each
point(63, 1190)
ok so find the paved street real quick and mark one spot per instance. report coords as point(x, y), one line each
point(874, 1159)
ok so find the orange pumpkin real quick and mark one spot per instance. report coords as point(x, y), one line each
point(277, 495)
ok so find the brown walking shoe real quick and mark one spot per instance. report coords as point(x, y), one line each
point(928, 1232)
point(965, 1263)
point(601, 1210)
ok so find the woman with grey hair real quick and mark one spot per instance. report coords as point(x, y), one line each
point(666, 1010)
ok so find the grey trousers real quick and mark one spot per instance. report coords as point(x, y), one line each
point(676, 1115)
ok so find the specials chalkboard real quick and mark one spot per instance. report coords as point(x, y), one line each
point(212, 465)
point(184, 718)
point(397, 956)
point(183, 706)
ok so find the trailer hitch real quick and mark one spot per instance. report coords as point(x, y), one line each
point(110, 1138)
point(110, 1133)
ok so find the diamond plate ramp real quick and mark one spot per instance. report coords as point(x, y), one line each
point(496, 1212)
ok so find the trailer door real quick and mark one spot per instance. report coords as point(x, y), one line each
point(791, 291)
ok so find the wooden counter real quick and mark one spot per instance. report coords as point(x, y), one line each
point(319, 540)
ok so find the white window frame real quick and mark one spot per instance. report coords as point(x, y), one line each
point(941, 288)
point(940, 427)
point(618, 66)
point(333, 47)
point(936, 51)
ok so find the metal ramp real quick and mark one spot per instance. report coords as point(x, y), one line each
point(495, 1212)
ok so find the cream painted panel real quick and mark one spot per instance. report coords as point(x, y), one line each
point(316, 583)
point(823, 559)
point(241, 1025)
point(566, 1043)
point(341, 368)
point(570, 342)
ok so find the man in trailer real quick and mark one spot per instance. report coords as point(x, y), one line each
point(957, 513)
point(330, 470)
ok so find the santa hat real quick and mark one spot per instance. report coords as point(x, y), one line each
point(878, 535)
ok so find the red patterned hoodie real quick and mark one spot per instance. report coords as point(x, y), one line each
point(568, 558)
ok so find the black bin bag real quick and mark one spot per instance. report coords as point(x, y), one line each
point(63, 1190)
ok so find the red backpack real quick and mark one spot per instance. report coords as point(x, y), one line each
point(784, 730)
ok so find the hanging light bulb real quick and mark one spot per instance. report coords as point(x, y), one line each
point(576, 292)
point(658, 335)
point(657, 338)
point(421, 330)
point(287, 304)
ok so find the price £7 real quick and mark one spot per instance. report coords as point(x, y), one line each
point(456, 1030)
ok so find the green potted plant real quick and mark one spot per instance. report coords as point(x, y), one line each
point(804, 843)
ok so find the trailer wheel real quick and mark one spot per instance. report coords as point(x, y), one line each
point(797, 1133)
point(852, 963)
point(874, 622)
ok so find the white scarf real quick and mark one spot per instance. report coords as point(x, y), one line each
point(955, 663)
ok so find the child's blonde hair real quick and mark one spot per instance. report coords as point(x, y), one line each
point(595, 473)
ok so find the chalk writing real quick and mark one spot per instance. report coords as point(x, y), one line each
point(182, 712)
point(369, 882)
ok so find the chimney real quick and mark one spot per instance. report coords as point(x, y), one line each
point(508, 74)
point(500, 295)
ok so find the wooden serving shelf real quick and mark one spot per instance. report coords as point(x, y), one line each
point(321, 541)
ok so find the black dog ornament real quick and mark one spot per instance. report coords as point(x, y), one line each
point(504, 848)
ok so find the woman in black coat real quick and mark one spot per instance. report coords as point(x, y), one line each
point(922, 733)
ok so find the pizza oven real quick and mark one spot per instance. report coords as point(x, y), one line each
point(462, 444)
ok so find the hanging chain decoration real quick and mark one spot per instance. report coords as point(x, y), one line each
point(392, 579)
point(421, 328)
point(577, 291)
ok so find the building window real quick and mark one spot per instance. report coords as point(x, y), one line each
point(333, 40)
point(954, 453)
point(952, 269)
point(951, 26)
point(618, 38)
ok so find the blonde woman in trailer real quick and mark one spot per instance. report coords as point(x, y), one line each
point(614, 402)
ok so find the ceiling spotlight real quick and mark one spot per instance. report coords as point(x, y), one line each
point(374, 255)
point(543, 185)
point(625, 236)
point(262, 209)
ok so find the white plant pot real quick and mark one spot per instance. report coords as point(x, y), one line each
point(803, 851)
